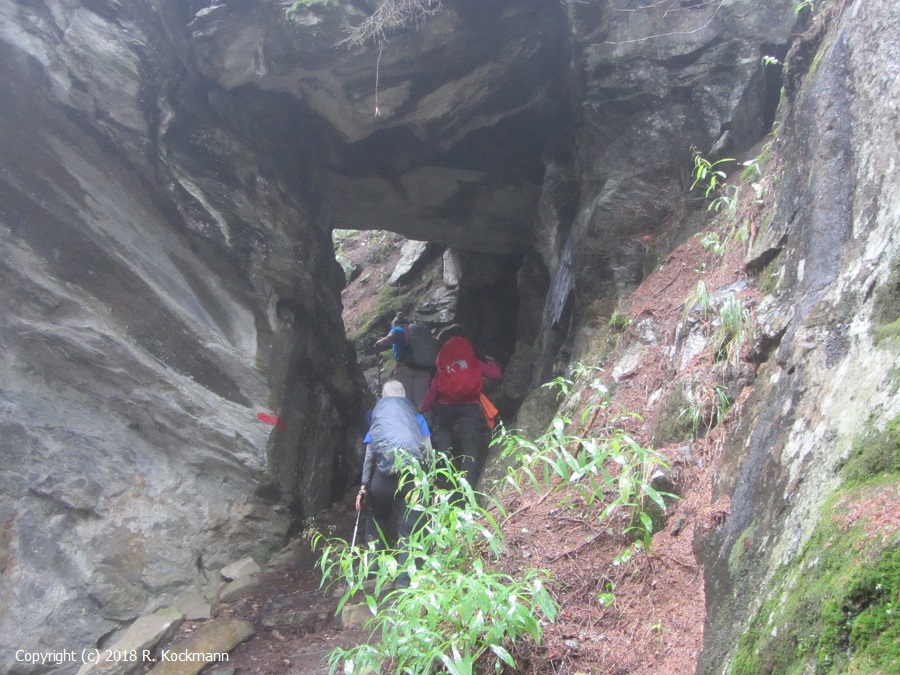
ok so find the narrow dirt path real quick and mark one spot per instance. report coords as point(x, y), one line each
point(295, 620)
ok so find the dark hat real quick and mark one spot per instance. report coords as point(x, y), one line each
point(453, 330)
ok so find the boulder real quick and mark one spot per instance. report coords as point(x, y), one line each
point(355, 615)
point(240, 568)
point(141, 638)
point(238, 588)
point(208, 644)
point(412, 253)
point(193, 606)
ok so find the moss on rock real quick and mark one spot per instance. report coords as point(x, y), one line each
point(887, 307)
point(836, 609)
point(674, 421)
point(874, 453)
point(769, 278)
point(888, 332)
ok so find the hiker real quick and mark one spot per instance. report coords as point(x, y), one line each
point(414, 351)
point(398, 436)
point(454, 398)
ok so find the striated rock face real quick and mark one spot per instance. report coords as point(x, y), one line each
point(165, 279)
point(650, 83)
point(830, 248)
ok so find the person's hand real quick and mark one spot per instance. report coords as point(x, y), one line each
point(360, 498)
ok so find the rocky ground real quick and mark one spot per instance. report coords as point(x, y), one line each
point(295, 618)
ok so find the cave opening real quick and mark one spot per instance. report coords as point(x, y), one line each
point(437, 285)
point(444, 231)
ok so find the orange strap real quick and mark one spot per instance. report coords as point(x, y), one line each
point(490, 411)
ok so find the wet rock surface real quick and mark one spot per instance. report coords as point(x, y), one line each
point(823, 385)
point(160, 285)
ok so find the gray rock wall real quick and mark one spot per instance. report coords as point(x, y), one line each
point(164, 280)
point(831, 246)
point(650, 81)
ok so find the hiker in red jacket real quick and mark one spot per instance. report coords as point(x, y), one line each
point(454, 398)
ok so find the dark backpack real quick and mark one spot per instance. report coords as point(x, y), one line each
point(421, 347)
point(458, 375)
point(395, 436)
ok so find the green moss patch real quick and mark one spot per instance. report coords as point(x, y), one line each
point(835, 610)
point(860, 625)
point(769, 278)
point(874, 454)
point(676, 420)
point(740, 546)
point(888, 332)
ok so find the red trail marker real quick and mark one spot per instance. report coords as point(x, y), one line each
point(272, 420)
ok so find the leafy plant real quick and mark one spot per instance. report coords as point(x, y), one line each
point(712, 179)
point(610, 468)
point(619, 321)
point(578, 371)
point(706, 174)
point(721, 400)
point(628, 554)
point(694, 416)
point(698, 298)
point(735, 329)
point(608, 596)
point(712, 240)
point(811, 4)
point(727, 200)
point(711, 406)
point(457, 611)
point(742, 233)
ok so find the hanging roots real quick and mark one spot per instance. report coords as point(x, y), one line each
point(390, 15)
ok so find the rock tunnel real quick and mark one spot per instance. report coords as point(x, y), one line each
point(172, 173)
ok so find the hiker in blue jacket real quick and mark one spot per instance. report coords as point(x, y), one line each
point(415, 378)
point(398, 436)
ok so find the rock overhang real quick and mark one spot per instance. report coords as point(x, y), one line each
point(436, 134)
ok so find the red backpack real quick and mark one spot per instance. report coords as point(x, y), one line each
point(458, 374)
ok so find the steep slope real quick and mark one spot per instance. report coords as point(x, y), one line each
point(772, 389)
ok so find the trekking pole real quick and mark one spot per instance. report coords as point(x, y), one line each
point(352, 544)
point(380, 371)
point(355, 529)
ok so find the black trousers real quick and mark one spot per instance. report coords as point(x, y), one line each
point(387, 499)
point(461, 432)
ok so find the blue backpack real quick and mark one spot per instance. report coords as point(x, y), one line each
point(395, 436)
